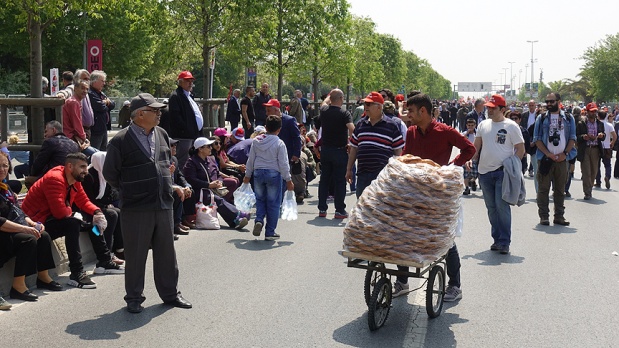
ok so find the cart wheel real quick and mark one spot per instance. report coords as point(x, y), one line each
point(371, 278)
point(380, 304)
point(435, 291)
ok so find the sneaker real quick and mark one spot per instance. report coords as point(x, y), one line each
point(257, 228)
point(399, 289)
point(322, 213)
point(467, 191)
point(117, 261)
point(607, 182)
point(4, 305)
point(341, 215)
point(544, 221)
point(275, 236)
point(81, 280)
point(452, 293)
point(108, 267)
point(240, 223)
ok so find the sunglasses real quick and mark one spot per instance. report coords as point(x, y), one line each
point(550, 101)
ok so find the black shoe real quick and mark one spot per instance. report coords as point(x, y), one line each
point(24, 296)
point(134, 307)
point(467, 191)
point(607, 182)
point(587, 196)
point(504, 249)
point(544, 221)
point(176, 237)
point(495, 247)
point(561, 221)
point(179, 230)
point(275, 236)
point(568, 194)
point(52, 286)
point(179, 302)
point(474, 186)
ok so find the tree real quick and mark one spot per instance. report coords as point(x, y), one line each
point(392, 60)
point(601, 68)
point(367, 73)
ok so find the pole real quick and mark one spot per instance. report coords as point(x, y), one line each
point(511, 75)
point(532, 42)
point(504, 82)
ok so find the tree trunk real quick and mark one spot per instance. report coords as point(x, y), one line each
point(35, 120)
point(280, 74)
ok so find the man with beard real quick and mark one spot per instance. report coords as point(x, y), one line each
point(589, 135)
point(554, 136)
point(50, 200)
point(260, 111)
point(138, 165)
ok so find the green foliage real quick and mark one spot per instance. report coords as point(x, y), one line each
point(13, 82)
point(601, 68)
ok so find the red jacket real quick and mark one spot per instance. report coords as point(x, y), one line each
point(47, 197)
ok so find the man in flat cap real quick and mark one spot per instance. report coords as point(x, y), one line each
point(138, 165)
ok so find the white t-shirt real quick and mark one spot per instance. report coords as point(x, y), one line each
point(498, 140)
point(557, 124)
point(531, 119)
point(608, 128)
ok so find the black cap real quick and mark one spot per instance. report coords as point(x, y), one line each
point(145, 99)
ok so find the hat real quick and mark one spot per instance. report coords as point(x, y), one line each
point(374, 97)
point(273, 102)
point(260, 129)
point(185, 75)
point(239, 133)
point(144, 99)
point(173, 141)
point(198, 143)
point(592, 107)
point(399, 97)
point(126, 102)
point(496, 100)
point(221, 132)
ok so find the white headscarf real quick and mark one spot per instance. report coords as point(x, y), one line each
point(96, 161)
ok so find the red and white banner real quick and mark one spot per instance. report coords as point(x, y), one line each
point(95, 55)
point(53, 78)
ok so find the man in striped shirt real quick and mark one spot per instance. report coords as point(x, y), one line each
point(376, 139)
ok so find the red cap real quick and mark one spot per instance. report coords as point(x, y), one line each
point(273, 102)
point(374, 97)
point(185, 75)
point(496, 100)
point(239, 133)
point(399, 97)
point(592, 107)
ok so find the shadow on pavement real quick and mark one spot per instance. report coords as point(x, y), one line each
point(258, 244)
point(593, 200)
point(493, 258)
point(554, 229)
point(109, 326)
point(439, 333)
point(328, 221)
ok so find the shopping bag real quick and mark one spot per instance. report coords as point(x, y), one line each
point(206, 215)
point(244, 198)
point(289, 207)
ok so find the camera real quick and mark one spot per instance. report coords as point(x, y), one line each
point(555, 138)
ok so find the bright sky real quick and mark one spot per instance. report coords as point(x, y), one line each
point(472, 41)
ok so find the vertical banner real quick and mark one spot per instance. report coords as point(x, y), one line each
point(95, 55)
point(53, 78)
point(251, 77)
point(212, 59)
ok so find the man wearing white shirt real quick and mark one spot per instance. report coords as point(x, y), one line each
point(186, 120)
point(528, 119)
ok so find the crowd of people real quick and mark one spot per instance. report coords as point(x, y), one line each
point(139, 191)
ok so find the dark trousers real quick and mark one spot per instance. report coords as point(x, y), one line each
point(182, 151)
point(453, 268)
point(234, 124)
point(178, 209)
point(364, 180)
point(606, 161)
point(70, 229)
point(31, 255)
point(142, 229)
point(333, 162)
point(558, 175)
point(113, 233)
point(99, 141)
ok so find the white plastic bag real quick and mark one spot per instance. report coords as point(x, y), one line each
point(206, 215)
point(244, 198)
point(289, 207)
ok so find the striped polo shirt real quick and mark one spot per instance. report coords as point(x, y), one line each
point(375, 143)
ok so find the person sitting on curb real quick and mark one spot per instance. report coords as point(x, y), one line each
point(26, 240)
point(178, 178)
point(50, 200)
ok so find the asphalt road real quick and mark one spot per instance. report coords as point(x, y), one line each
point(557, 288)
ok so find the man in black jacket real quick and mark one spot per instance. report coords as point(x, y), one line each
point(260, 112)
point(138, 165)
point(233, 112)
point(54, 151)
point(101, 106)
point(589, 136)
point(186, 120)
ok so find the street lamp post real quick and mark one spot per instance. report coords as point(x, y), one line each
point(511, 74)
point(519, 79)
point(532, 42)
point(505, 80)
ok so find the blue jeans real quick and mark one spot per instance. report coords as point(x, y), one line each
point(268, 191)
point(333, 162)
point(364, 180)
point(499, 212)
